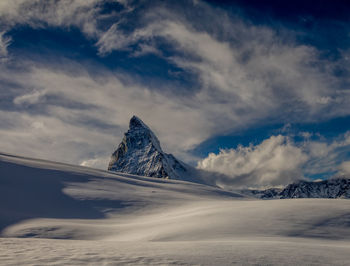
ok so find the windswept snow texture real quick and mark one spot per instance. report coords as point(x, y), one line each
point(140, 154)
point(54, 213)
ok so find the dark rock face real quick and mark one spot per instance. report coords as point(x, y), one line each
point(266, 194)
point(331, 188)
point(140, 153)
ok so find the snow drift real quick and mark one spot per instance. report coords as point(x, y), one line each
point(130, 219)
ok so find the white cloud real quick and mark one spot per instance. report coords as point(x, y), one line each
point(40, 13)
point(344, 168)
point(326, 157)
point(100, 162)
point(274, 162)
point(47, 137)
point(4, 43)
point(30, 98)
point(83, 14)
point(247, 73)
point(278, 161)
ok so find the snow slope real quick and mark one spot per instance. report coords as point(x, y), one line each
point(53, 213)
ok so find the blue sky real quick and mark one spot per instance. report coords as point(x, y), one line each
point(245, 88)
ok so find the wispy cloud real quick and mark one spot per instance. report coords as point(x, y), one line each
point(249, 72)
point(4, 43)
point(40, 13)
point(326, 157)
point(344, 168)
point(98, 104)
point(89, 16)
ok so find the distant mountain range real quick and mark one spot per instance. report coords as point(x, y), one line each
point(331, 188)
point(140, 153)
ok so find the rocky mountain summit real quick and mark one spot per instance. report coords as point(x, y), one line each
point(140, 153)
point(331, 188)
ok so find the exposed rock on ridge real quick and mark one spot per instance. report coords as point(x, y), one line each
point(140, 153)
point(331, 188)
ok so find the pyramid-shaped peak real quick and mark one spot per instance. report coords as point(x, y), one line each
point(140, 153)
point(136, 123)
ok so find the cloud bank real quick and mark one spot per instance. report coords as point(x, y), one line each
point(274, 162)
point(278, 161)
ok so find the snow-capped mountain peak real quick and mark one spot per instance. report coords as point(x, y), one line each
point(136, 122)
point(140, 132)
point(140, 153)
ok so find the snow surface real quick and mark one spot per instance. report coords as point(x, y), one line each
point(53, 213)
